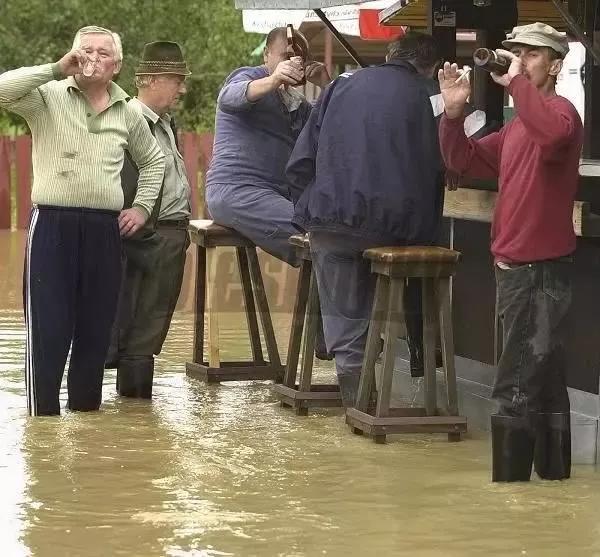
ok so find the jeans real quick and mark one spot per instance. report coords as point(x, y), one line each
point(533, 300)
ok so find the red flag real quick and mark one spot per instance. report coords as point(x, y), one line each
point(371, 30)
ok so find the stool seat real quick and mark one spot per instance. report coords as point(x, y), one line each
point(300, 240)
point(412, 254)
point(209, 234)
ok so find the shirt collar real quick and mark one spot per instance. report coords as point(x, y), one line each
point(115, 92)
point(149, 113)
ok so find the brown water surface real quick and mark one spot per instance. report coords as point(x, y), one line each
point(223, 470)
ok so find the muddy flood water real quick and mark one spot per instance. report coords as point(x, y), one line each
point(224, 471)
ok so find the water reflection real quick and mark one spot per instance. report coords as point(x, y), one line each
point(222, 470)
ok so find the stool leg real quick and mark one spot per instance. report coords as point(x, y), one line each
point(253, 332)
point(429, 338)
point(214, 359)
point(448, 344)
point(263, 307)
point(310, 334)
point(295, 343)
point(367, 376)
point(200, 305)
point(395, 318)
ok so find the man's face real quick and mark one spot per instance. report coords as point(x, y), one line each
point(101, 48)
point(167, 90)
point(276, 53)
point(538, 65)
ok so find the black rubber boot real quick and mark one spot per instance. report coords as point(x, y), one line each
point(135, 376)
point(349, 388)
point(513, 441)
point(552, 458)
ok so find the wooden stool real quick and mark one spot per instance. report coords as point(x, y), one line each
point(434, 266)
point(209, 236)
point(305, 394)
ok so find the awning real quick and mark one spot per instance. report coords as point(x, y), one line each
point(413, 13)
point(291, 4)
point(351, 20)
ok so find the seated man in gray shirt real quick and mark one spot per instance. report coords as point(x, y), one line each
point(259, 117)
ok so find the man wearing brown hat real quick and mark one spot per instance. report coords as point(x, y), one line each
point(535, 158)
point(155, 256)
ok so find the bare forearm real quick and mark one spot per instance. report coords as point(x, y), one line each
point(260, 87)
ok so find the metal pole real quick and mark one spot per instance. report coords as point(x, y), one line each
point(347, 46)
point(577, 30)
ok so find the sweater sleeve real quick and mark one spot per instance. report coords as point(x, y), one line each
point(468, 157)
point(232, 97)
point(19, 89)
point(550, 126)
point(149, 159)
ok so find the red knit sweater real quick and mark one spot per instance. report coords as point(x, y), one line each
point(536, 159)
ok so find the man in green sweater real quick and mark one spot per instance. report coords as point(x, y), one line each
point(81, 125)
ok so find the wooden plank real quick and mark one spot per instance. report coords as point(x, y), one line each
point(395, 316)
point(251, 320)
point(5, 183)
point(212, 294)
point(414, 13)
point(298, 317)
point(429, 344)
point(191, 160)
point(478, 205)
point(200, 305)
point(262, 305)
point(310, 335)
point(391, 421)
point(378, 315)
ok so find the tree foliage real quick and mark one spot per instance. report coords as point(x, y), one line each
point(210, 32)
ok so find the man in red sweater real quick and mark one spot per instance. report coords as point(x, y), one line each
point(535, 158)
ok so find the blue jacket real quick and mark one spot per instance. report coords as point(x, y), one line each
point(368, 162)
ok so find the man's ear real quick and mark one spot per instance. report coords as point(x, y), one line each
point(118, 66)
point(556, 67)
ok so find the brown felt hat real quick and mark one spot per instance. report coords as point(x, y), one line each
point(162, 57)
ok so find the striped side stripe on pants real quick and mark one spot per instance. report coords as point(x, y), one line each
point(29, 371)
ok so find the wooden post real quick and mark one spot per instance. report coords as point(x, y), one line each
point(23, 159)
point(440, 26)
point(591, 147)
point(191, 159)
point(328, 58)
point(4, 183)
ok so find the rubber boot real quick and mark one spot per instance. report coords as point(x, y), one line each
point(349, 388)
point(513, 441)
point(135, 376)
point(552, 458)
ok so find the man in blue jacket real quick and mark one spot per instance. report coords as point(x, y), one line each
point(369, 165)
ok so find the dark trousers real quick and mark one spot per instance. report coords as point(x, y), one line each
point(149, 294)
point(70, 291)
point(346, 291)
point(533, 300)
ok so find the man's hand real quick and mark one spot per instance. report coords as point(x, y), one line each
point(287, 72)
point(72, 62)
point(455, 91)
point(130, 221)
point(453, 181)
point(515, 68)
point(317, 73)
